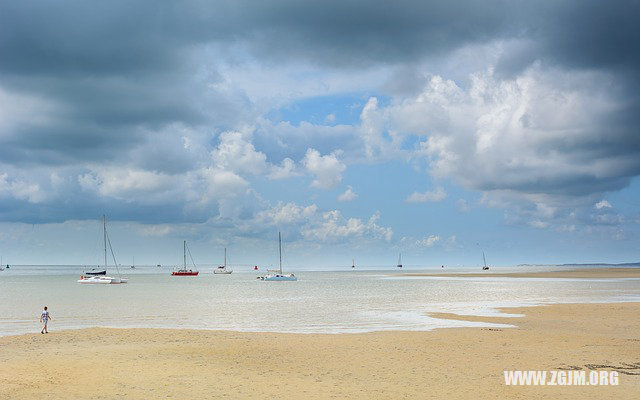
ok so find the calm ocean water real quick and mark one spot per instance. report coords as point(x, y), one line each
point(320, 302)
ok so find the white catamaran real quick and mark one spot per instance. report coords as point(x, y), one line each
point(277, 275)
point(103, 279)
point(222, 269)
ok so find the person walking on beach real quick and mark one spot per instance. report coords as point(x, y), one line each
point(44, 318)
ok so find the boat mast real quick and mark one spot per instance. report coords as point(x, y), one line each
point(225, 257)
point(104, 237)
point(484, 259)
point(280, 251)
point(184, 254)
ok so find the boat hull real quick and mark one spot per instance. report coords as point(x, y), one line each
point(278, 278)
point(220, 272)
point(185, 273)
point(101, 280)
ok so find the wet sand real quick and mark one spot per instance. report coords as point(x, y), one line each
point(596, 273)
point(460, 363)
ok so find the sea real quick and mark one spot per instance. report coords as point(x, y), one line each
point(330, 302)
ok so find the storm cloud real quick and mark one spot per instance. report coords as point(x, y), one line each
point(89, 88)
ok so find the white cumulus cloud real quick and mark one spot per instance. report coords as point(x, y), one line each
point(236, 153)
point(602, 204)
point(333, 226)
point(323, 226)
point(326, 169)
point(436, 195)
point(128, 183)
point(286, 169)
point(22, 190)
point(429, 241)
point(288, 213)
point(155, 230)
point(526, 134)
point(348, 195)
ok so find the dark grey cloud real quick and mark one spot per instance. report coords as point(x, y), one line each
point(91, 207)
point(76, 37)
point(45, 195)
point(124, 64)
point(361, 33)
point(576, 35)
point(586, 34)
point(66, 143)
point(124, 38)
point(108, 80)
point(105, 76)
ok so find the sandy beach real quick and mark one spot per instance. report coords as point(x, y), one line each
point(591, 273)
point(101, 363)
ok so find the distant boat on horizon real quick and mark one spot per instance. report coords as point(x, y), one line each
point(353, 263)
point(184, 271)
point(399, 260)
point(484, 259)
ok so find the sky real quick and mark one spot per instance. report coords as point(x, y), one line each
point(359, 129)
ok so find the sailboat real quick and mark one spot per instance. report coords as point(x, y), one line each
point(184, 271)
point(485, 262)
point(277, 275)
point(103, 278)
point(399, 260)
point(222, 269)
point(353, 263)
